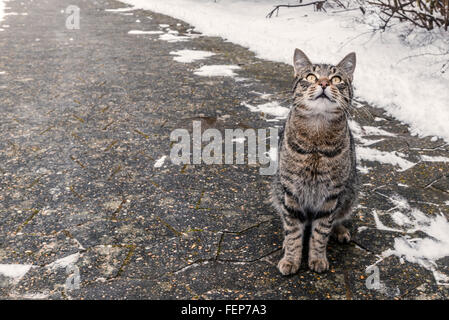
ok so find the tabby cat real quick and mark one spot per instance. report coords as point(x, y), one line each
point(316, 182)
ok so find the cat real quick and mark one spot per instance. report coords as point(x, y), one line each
point(316, 183)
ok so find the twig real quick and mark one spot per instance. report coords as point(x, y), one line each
point(318, 5)
point(420, 55)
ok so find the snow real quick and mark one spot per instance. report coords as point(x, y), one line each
point(239, 140)
point(380, 225)
point(264, 95)
point(370, 154)
point(434, 159)
point(145, 32)
point(375, 131)
point(426, 250)
point(399, 71)
point(188, 56)
point(159, 162)
point(2, 10)
point(217, 71)
point(64, 262)
point(14, 271)
point(169, 37)
point(273, 154)
point(121, 9)
point(32, 296)
point(270, 108)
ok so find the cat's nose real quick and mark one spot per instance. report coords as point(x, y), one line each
point(323, 82)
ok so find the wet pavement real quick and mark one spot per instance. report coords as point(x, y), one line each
point(86, 115)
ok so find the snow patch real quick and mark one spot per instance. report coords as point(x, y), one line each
point(239, 140)
point(188, 56)
point(217, 71)
point(425, 250)
point(269, 108)
point(145, 32)
point(64, 262)
point(14, 271)
point(265, 96)
point(273, 154)
point(121, 9)
point(375, 131)
point(2, 10)
point(169, 37)
point(434, 159)
point(159, 162)
point(370, 154)
point(31, 296)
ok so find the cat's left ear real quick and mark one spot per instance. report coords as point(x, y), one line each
point(348, 64)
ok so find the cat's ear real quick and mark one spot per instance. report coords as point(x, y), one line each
point(300, 61)
point(348, 64)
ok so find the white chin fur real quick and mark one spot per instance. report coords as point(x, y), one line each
point(321, 106)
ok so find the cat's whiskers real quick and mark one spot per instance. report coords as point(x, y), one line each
point(351, 107)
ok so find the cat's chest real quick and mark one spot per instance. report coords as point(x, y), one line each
point(307, 167)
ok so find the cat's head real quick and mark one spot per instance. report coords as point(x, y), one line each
point(323, 88)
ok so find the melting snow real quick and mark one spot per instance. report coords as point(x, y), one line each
point(160, 162)
point(425, 250)
point(369, 154)
point(270, 108)
point(121, 9)
point(434, 159)
point(188, 56)
point(145, 32)
point(14, 271)
point(64, 262)
point(217, 71)
point(2, 11)
point(173, 38)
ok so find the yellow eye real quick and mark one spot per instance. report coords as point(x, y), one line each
point(336, 80)
point(311, 78)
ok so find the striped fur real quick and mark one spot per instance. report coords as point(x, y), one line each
point(316, 182)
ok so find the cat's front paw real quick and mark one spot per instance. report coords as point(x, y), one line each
point(319, 264)
point(287, 267)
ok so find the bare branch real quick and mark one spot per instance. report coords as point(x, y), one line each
point(317, 4)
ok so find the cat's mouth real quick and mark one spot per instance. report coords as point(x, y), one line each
point(323, 96)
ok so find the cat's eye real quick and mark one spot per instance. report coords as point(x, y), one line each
point(311, 78)
point(336, 80)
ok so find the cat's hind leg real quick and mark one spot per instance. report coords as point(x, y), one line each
point(341, 233)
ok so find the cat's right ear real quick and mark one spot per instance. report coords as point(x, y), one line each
point(300, 61)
